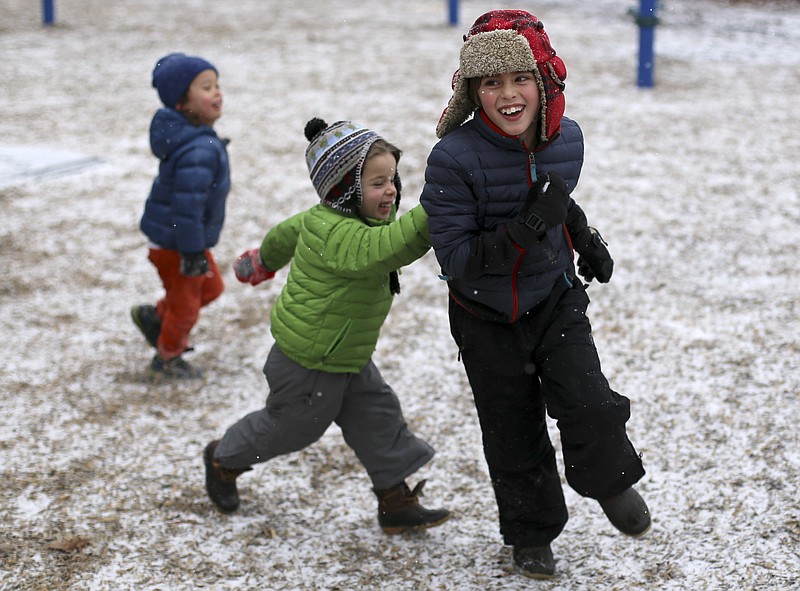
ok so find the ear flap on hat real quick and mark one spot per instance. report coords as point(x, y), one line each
point(552, 72)
point(459, 107)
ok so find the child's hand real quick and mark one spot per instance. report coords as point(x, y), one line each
point(545, 208)
point(249, 268)
point(595, 260)
point(193, 264)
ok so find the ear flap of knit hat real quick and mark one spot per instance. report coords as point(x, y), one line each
point(503, 41)
point(335, 157)
point(173, 74)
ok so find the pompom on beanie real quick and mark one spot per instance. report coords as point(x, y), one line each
point(173, 74)
point(503, 41)
point(335, 157)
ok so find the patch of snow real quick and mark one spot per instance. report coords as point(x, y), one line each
point(693, 183)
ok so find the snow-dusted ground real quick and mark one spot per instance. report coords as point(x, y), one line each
point(694, 183)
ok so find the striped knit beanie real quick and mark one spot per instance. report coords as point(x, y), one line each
point(335, 157)
point(503, 41)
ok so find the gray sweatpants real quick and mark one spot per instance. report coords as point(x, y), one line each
point(302, 404)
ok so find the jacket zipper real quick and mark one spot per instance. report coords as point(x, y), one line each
point(522, 251)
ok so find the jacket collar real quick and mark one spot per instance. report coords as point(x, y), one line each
point(481, 114)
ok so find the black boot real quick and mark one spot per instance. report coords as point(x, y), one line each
point(399, 510)
point(535, 562)
point(146, 319)
point(627, 512)
point(221, 482)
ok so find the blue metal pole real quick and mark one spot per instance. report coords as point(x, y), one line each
point(452, 12)
point(48, 11)
point(647, 22)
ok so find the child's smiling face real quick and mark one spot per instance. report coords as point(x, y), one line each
point(377, 186)
point(512, 102)
point(203, 102)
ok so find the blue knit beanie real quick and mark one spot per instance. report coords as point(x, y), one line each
point(174, 73)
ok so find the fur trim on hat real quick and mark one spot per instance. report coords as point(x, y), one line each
point(496, 52)
point(499, 42)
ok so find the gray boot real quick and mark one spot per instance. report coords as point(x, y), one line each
point(627, 512)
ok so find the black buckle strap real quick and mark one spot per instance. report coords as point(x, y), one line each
point(534, 222)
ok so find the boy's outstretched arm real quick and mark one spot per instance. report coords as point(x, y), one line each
point(256, 265)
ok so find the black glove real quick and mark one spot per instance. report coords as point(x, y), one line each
point(594, 259)
point(545, 208)
point(193, 264)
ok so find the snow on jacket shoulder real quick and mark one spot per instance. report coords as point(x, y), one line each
point(476, 182)
point(336, 298)
point(186, 207)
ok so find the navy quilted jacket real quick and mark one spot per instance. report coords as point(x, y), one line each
point(186, 207)
point(476, 182)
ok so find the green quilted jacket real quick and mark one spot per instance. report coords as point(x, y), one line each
point(336, 298)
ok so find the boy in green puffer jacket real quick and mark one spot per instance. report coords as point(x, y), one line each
point(345, 253)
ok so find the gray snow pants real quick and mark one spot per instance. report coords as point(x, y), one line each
point(302, 404)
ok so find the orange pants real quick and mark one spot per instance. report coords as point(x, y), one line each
point(179, 309)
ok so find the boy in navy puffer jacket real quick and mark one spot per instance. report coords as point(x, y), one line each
point(184, 213)
point(503, 226)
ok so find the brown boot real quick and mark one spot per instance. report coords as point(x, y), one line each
point(221, 482)
point(399, 510)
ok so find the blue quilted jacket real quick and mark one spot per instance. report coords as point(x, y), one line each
point(476, 182)
point(186, 207)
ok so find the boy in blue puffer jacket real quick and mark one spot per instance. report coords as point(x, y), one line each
point(503, 226)
point(184, 213)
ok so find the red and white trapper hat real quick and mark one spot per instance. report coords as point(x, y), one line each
point(503, 41)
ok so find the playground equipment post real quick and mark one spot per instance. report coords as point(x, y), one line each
point(48, 12)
